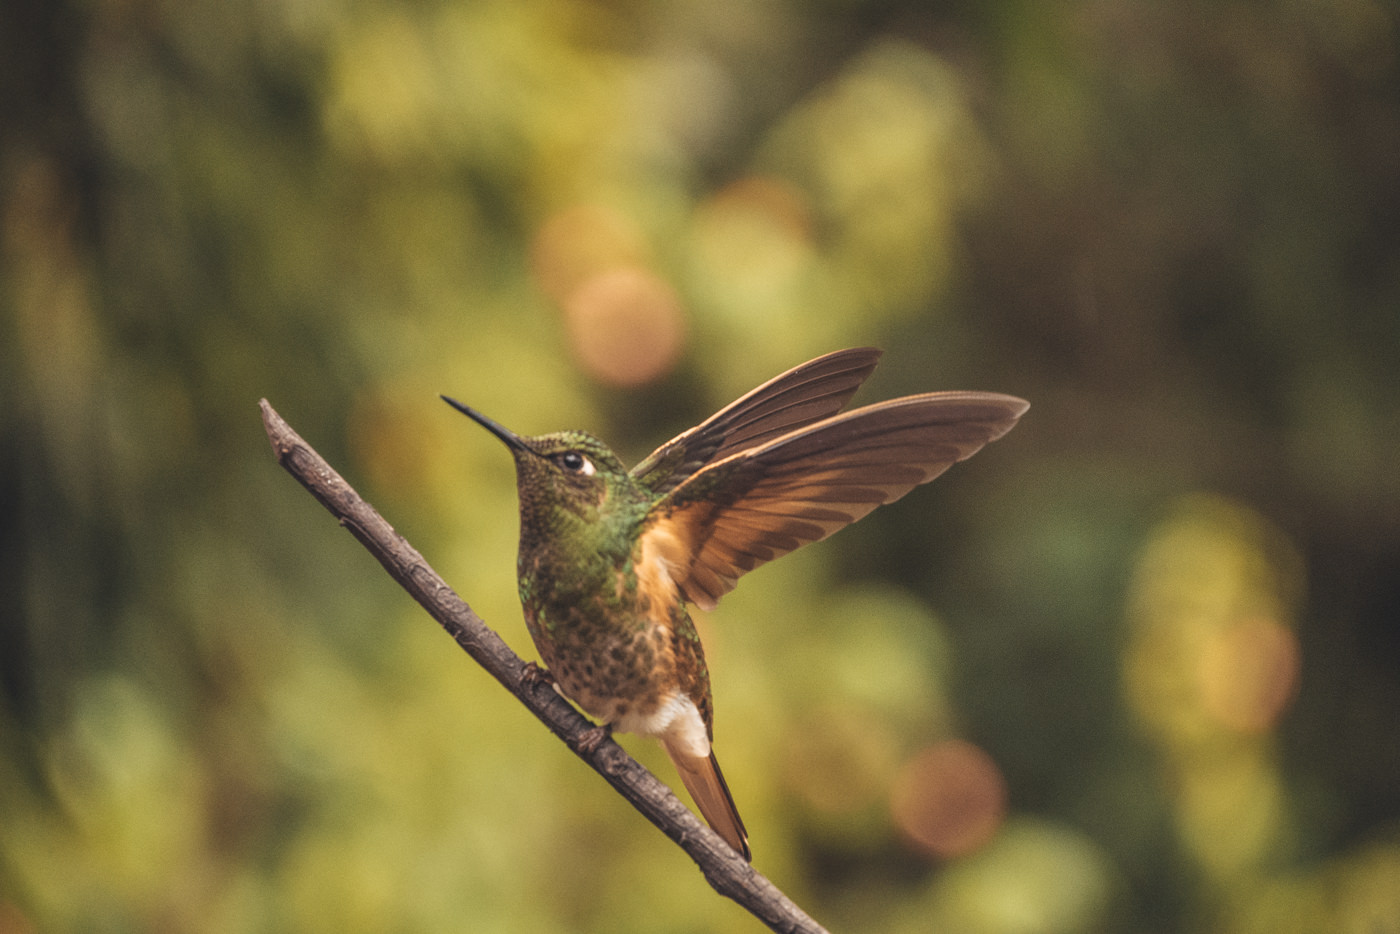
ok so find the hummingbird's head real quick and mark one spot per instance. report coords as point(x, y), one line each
point(569, 470)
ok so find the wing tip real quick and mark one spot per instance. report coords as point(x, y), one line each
point(1015, 404)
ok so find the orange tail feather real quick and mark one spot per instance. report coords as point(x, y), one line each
point(707, 788)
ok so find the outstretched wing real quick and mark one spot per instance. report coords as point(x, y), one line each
point(740, 512)
point(805, 394)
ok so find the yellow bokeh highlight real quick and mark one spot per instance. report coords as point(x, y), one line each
point(1034, 878)
point(892, 155)
point(751, 243)
point(1211, 607)
point(1211, 664)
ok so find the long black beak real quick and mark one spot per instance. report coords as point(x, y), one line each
point(511, 439)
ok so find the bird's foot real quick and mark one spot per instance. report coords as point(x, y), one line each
point(589, 742)
point(534, 674)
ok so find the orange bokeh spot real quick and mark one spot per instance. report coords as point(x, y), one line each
point(949, 799)
point(1249, 672)
point(625, 326)
point(580, 242)
point(776, 202)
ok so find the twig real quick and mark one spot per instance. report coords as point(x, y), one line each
point(725, 870)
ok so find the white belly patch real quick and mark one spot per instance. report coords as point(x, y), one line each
point(677, 718)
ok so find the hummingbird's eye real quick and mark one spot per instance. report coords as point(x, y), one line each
point(574, 462)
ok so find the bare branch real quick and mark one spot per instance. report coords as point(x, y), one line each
point(725, 870)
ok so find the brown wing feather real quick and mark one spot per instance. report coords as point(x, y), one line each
point(807, 393)
point(740, 512)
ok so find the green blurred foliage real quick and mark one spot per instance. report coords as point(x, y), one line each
point(1165, 609)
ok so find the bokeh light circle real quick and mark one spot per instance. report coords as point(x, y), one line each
point(625, 326)
point(949, 799)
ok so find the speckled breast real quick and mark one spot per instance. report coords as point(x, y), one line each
point(615, 673)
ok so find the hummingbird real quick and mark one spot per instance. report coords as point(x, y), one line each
point(610, 557)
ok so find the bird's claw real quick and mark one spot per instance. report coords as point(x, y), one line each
point(589, 742)
point(533, 674)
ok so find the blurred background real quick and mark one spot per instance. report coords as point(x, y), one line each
point(1136, 667)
